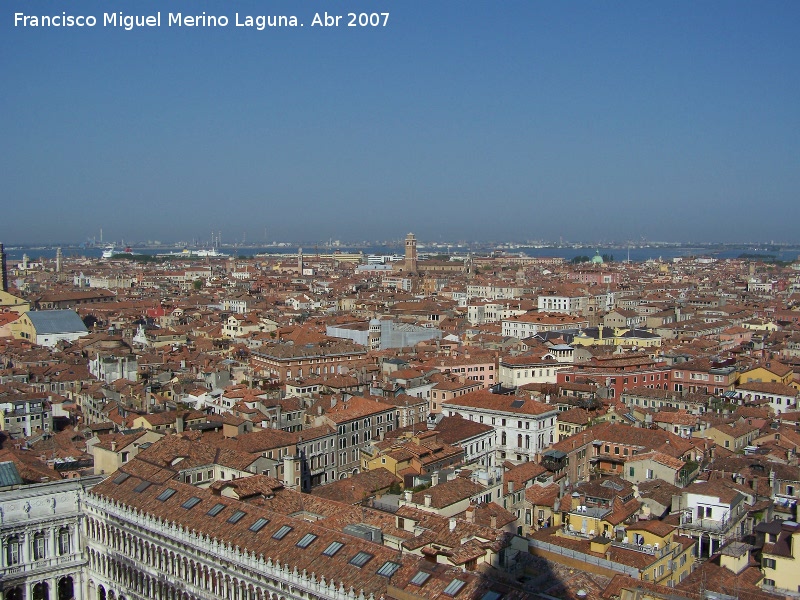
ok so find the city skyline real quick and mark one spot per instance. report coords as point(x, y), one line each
point(537, 121)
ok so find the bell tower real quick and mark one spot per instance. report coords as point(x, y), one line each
point(3, 270)
point(411, 253)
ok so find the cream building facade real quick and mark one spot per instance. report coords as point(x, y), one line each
point(43, 541)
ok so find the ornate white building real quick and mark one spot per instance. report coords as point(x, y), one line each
point(42, 540)
point(141, 534)
point(524, 427)
point(166, 540)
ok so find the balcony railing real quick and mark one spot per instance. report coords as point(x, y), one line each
point(715, 525)
point(38, 565)
point(645, 548)
point(516, 450)
point(576, 534)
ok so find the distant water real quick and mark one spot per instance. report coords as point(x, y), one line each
point(620, 254)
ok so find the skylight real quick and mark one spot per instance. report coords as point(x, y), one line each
point(237, 516)
point(165, 495)
point(216, 509)
point(360, 559)
point(121, 478)
point(333, 548)
point(454, 587)
point(141, 487)
point(306, 540)
point(281, 533)
point(258, 525)
point(420, 578)
point(191, 502)
point(388, 568)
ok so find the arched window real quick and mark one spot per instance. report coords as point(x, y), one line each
point(503, 438)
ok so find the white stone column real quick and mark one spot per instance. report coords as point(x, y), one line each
point(52, 551)
point(83, 585)
point(25, 542)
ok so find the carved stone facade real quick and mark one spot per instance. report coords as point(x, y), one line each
point(133, 555)
point(128, 538)
point(42, 541)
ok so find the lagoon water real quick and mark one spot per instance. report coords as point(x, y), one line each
point(620, 254)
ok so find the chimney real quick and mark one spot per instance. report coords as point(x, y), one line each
point(470, 514)
point(427, 499)
point(290, 472)
point(452, 523)
point(510, 487)
point(407, 495)
point(434, 478)
point(494, 522)
point(113, 446)
point(179, 424)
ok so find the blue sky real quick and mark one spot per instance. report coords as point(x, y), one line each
point(459, 120)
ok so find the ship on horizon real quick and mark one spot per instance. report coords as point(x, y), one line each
point(201, 253)
point(110, 251)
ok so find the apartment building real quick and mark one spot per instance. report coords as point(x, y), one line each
point(284, 362)
point(528, 325)
point(780, 397)
point(23, 414)
point(571, 300)
point(702, 375)
point(537, 367)
point(358, 421)
point(524, 427)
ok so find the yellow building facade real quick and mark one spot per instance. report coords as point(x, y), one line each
point(13, 303)
point(778, 561)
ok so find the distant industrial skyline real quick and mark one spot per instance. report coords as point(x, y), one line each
point(525, 120)
point(219, 242)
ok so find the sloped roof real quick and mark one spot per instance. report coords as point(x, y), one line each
point(56, 321)
point(9, 475)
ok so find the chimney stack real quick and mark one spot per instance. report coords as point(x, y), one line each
point(427, 499)
point(470, 513)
